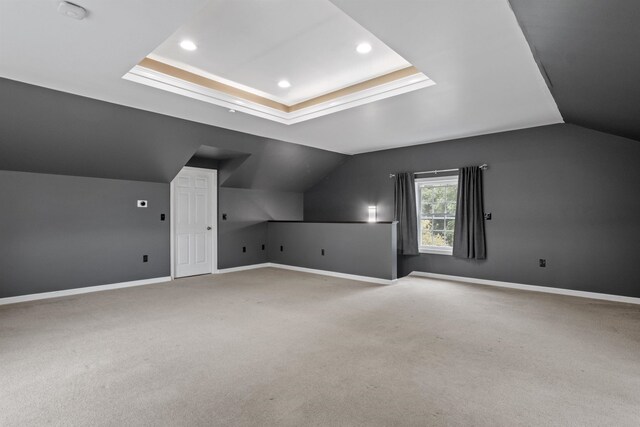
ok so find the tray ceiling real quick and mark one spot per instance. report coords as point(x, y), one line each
point(283, 60)
point(487, 79)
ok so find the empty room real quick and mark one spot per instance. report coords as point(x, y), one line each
point(319, 213)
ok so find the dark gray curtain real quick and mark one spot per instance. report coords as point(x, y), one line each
point(468, 241)
point(405, 214)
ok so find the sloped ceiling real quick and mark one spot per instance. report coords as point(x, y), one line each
point(486, 78)
point(47, 131)
point(590, 52)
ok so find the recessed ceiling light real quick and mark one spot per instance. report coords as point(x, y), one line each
point(232, 110)
point(188, 45)
point(284, 84)
point(363, 48)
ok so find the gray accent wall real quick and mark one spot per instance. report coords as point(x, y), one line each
point(46, 131)
point(352, 248)
point(67, 145)
point(247, 213)
point(587, 50)
point(562, 193)
point(62, 232)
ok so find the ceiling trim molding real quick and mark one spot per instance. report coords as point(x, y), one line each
point(158, 74)
point(367, 84)
point(190, 77)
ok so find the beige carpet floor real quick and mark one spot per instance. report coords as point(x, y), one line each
point(273, 347)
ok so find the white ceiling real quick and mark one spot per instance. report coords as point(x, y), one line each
point(487, 80)
point(312, 44)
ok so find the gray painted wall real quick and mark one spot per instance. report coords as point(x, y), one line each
point(562, 192)
point(51, 132)
point(588, 51)
point(247, 212)
point(362, 249)
point(47, 131)
point(61, 232)
point(243, 233)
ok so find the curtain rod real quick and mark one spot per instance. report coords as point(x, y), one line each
point(437, 171)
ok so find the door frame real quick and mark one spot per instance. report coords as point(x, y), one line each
point(213, 179)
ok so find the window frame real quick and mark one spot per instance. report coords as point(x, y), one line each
point(441, 181)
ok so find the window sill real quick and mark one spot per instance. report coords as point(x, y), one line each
point(436, 251)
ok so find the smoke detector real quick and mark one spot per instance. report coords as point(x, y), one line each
point(72, 10)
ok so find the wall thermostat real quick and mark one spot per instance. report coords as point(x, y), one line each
point(142, 203)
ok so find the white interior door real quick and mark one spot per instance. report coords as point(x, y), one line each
point(194, 213)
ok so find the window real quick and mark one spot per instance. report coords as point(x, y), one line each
point(436, 203)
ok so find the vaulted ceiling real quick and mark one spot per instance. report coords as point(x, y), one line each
point(486, 78)
point(589, 51)
point(498, 65)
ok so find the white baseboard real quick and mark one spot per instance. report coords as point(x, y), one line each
point(76, 291)
point(309, 270)
point(533, 288)
point(243, 268)
point(334, 274)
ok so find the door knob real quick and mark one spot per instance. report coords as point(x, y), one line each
point(208, 228)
